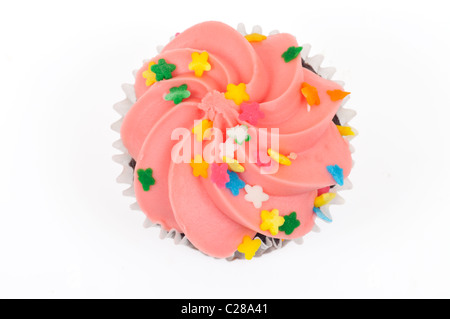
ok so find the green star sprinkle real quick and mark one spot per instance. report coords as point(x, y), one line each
point(146, 178)
point(290, 223)
point(290, 54)
point(178, 94)
point(163, 70)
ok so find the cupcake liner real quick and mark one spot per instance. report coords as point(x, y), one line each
point(268, 244)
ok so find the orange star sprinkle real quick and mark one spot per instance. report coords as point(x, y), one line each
point(199, 167)
point(199, 63)
point(271, 221)
point(237, 93)
point(149, 75)
point(249, 247)
point(255, 37)
point(337, 95)
point(310, 93)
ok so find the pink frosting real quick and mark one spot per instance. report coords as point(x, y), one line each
point(214, 220)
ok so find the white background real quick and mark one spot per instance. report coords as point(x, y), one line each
point(66, 231)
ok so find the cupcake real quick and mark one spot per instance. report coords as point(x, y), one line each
point(234, 143)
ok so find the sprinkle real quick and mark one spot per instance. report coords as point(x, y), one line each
point(283, 160)
point(321, 215)
point(219, 174)
point(178, 94)
point(310, 93)
point(237, 93)
point(323, 190)
point(149, 75)
point(337, 173)
point(255, 37)
point(163, 70)
point(292, 156)
point(146, 178)
point(233, 165)
point(337, 95)
point(271, 221)
point(199, 63)
point(290, 223)
point(200, 129)
point(199, 166)
point(228, 148)
point(239, 133)
point(249, 247)
point(345, 130)
point(324, 199)
point(255, 195)
point(235, 184)
point(291, 53)
point(251, 113)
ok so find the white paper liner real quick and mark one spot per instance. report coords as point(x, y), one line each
point(268, 244)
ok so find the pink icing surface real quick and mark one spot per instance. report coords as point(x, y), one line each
point(213, 219)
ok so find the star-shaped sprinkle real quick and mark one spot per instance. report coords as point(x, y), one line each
point(255, 195)
point(199, 63)
point(251, 113)
point(199, 130)
point(290, 223)
point(324, 199)
point(163, 70)
point(249, 247)
point(337, 95)
point(271, 221)
point(345, 130)
point(291, 53)
point(145, 176)
point(310, 93)
point(149, 75)
point(235, 184)
point(239, 133)
point(237, 93)
point(219, 174)
point(321, 215)
point(280, 158)
point(228, 148)
point(337, 173)
point(255, 37)
point(199, 166)
point(177, 94)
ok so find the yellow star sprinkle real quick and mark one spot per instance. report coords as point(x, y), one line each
point(271, 221)
point(237, 93)
point(200, 129)
point(345, 130)
point(233, 165)
point(337, 95)
point(310, 93)
point(249, 247)
point(199, 166)
point(199, 63)
point(149, 75)
point(280, 158)
point(324, 199)
point(255, 37)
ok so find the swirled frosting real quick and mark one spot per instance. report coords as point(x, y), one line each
point(215, 219)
